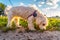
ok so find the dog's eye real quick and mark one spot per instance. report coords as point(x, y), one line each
point(43, 24)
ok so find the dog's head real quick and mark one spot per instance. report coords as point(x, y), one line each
point(41, 21)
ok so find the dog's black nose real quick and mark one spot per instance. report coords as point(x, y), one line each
point(43, 24)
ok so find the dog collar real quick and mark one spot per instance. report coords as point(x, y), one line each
point(34, 14)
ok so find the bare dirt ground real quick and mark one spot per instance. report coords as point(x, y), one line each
point(46, 35)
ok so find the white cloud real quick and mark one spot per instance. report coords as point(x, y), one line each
point(22, 4)
point(53, 3)
point(55, 6)
point(52, 9)
point(48, 3)
point(34, 6)
point(39, 5)
point(51, 12)
point(9, 6)
point(46, 9)
point(42, 2)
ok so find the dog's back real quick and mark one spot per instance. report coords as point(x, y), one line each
point(21, 11)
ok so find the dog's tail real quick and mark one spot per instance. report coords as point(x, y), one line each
point(7, 9)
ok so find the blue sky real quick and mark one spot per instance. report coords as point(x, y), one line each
point(48, 7)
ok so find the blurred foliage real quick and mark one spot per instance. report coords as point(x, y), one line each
point(54, 24)
point(2, 8)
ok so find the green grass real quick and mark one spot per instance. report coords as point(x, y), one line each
point(54, 24)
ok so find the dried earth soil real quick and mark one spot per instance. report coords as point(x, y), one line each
point(46, 35)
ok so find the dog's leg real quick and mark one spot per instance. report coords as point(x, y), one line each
point(19, 27)
point(16, 21)
point(9, 21)
point(30, 23)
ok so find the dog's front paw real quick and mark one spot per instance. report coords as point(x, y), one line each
point(29, 30)
point(20, 29)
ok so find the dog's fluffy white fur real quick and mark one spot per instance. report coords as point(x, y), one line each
point(15, 13)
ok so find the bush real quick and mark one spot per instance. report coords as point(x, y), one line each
point(54, 24)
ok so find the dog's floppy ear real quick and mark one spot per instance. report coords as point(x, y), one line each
point(35, 14)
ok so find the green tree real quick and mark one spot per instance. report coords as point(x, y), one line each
point(57, 16)
point(2, 7)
